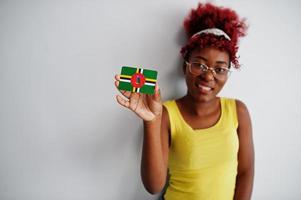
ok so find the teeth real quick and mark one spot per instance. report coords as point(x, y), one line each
point(205, 87)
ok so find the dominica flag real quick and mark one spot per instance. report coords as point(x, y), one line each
point(138, 80)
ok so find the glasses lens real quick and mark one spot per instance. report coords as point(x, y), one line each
point(221, 72)
point(197, 68)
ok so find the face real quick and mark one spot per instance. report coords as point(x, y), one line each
point(206, 86)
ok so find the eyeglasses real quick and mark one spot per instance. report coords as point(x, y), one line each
point(197, 69)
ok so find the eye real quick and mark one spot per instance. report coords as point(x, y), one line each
point(197, 65)
point(202, 66)
point(221, 70)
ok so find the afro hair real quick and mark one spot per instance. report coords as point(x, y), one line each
point(210, 16)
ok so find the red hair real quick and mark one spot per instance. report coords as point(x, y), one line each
point(210, 16)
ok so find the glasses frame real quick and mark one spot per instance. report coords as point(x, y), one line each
point(206, 68)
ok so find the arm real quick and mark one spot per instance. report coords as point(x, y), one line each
point(245, 174)
point(155, 154)
point(155, 141)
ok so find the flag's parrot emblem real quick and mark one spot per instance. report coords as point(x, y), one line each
point(138, 80)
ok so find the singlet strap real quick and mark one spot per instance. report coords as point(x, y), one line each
point(231, 113)
point(174, 118)
point(228, 116)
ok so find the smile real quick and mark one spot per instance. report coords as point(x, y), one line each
point(205, 88)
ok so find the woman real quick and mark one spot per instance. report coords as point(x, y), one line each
point(204, 142)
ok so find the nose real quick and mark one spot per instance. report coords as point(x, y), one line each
point(208, 75)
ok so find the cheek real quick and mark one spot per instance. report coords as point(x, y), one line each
point(189, 80)
point(221, 84)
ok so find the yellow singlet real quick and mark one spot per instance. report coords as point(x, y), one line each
point(203, 163)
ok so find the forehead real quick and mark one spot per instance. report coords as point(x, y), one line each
point(210, 54)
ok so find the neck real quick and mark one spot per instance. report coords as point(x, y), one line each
point(200, 108)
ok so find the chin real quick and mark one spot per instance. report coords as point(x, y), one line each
point(203, 98)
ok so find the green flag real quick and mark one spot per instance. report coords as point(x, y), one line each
point(138, 80)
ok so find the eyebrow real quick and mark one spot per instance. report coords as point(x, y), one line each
point(219, 62)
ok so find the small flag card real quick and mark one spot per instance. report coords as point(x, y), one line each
point(138, 80)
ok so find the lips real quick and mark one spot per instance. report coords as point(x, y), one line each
point(204, 88)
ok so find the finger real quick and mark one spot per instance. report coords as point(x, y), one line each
point(117, 84)
point(117, 77)
point(125, 93)
point(134, 100)
point(157, 88)
point(122, 101)
point(157, 95)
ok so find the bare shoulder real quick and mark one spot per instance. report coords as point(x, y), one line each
point(241, 107)
point(244, 120)
point(165, 126)
point(165, 117)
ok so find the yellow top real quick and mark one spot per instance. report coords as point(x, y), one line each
point(203, 163)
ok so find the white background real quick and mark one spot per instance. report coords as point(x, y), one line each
point(62, 134)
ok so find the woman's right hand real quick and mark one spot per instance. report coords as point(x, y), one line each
point(147, 107)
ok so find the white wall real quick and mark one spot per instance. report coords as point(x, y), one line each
point(63, 136)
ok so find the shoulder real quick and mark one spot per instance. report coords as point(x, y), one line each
point(234, 104)
point(165, 123)
point(240, 106)
point(168, 106)
point(244, 119)
point(241, 109)
point(168, 103)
